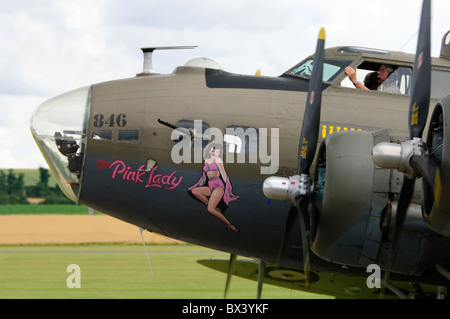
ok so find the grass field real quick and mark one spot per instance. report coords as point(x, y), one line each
point(43, 209)
point(117, 271)
point(122, 271)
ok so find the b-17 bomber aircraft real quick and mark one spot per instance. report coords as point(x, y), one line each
point(330, 178)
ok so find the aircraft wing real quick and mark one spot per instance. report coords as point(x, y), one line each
point(338, 286)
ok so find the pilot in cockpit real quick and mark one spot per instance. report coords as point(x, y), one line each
point(374, 80)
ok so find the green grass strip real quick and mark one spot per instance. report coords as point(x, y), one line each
point(43, 209)
point(122, 272)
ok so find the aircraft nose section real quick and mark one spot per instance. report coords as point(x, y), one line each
point(59, 129)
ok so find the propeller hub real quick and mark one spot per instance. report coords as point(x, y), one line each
point(399, 156)
point(288, 188)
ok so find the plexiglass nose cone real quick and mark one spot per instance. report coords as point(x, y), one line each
point(59, 129)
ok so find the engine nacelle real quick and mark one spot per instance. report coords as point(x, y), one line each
point(357, 201)
point(436, 203)
point(352, 193)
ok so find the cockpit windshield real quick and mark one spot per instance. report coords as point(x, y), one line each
point(331, 69)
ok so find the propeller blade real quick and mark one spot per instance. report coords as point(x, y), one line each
point(303, 217)
point(417, 117)
point(307, 147)
point(420, 96)
point(287, 229)
point(403, 202)
point(405, 198)
point(308, 142)
point(432, 187)
point(311, 119)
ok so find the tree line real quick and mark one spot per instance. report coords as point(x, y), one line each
point(14, 191)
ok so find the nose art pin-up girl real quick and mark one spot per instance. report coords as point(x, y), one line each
point(218, 186)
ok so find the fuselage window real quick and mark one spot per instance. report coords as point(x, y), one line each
point(128, 136)
point(102, 135)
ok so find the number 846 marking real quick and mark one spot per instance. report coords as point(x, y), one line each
point(101, 120)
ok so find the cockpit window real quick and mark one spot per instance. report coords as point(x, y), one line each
point(331, 69)
point(398, 81)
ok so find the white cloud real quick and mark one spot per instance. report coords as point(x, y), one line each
point(17, 147)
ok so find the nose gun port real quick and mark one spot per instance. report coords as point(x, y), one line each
point(59, 128)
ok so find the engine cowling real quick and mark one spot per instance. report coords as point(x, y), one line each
point(436, 202)
point(352, 193)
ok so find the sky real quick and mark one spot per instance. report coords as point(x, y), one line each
point(51, 47)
